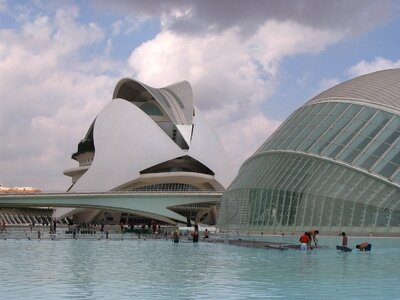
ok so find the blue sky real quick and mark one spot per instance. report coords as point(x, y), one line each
point(250, 64)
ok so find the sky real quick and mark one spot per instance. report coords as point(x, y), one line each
point(251, 63)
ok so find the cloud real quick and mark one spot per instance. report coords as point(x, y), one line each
point(326, 83)
point(199, 17)
point(116, 27)
point(275, 40)
point(49, 97)
point(364, 67)
point(232, 77)
point(57, 73)
point(3, 6)
point(219, 68)
point(241, 138)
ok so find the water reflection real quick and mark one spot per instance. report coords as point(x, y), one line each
point(70, 269)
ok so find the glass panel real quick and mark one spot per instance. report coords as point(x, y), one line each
point(284, 130)
point(347, 213)
point(385, 168)
point(353, 110)
point(371, 130)
point(306, 132)
point(318, 147)
point(355, 125)
point(349, 155)
point(388, 136)
point(317, 120)
point(382, 118)
point(318, 107)
point(151, 109)
point(341, 122)
point(333, 150)
point(383, 217)
point(360, 142)
point(395, 124)
point(339, 109)
point(329, 120)
point(330, 135)
point(393, 156)
point(366, 161)
point(366, 113)
point(378, 148)
point(328, 107)
point(306, 144)
point(358, 215)
point(397, 178)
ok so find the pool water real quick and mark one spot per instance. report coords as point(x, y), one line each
point(159, 269)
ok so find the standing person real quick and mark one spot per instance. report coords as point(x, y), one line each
point(313, 234)
point(344, 239)
point(344, 243)
point(195, 234)
point(206, 234)
point(304, 241)
point(176, 236)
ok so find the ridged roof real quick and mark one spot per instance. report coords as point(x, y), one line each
point(381, 87)
point(178, 95)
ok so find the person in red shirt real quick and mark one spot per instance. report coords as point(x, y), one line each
point(305, 241)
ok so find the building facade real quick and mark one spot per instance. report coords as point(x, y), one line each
point(333, 165)
point(148, 139)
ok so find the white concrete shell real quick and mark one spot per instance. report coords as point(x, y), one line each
point(141, 128)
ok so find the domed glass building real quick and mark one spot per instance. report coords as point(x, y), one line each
point(333, 165)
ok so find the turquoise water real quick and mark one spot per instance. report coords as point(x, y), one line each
point(159, 269)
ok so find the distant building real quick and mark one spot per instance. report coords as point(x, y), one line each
point(149, 139)
point(333, 165)
point(16, 189)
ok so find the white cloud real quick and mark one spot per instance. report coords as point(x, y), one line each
point(3, 6)
point(52, 89)
point(326, 84)
point(203, 17)
point(48, 97)
point(108, 48)
point(218, 67)
point(275, 40)
point(231, 76)
point(379, 63)
point(116, 27)
point(243, 137)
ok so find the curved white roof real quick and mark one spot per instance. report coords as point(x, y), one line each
point(381, 88)
point(127, 140)
point(175, 99)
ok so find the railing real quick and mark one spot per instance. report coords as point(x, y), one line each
point(114, 193)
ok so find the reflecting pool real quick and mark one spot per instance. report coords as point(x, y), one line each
point(159, 269)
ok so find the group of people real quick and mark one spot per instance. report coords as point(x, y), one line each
point(310, 237)
point(195, 235)
point(307, 238)
point(364, 246)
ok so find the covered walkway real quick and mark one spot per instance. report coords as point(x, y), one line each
point(148, 204)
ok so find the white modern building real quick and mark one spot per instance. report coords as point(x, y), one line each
point(333, 165)
point(148, 139)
